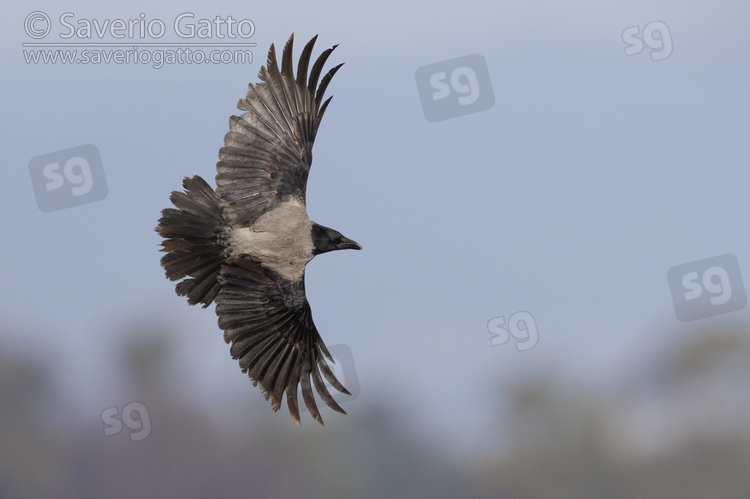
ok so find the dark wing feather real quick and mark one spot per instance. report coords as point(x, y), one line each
point(268, 322)
point(267, 152)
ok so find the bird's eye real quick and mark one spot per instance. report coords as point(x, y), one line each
point(332, 241)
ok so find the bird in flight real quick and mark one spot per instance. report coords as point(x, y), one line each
point(246, 244)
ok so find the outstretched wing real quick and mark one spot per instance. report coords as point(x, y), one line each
point(267, 152)
point(268, 321)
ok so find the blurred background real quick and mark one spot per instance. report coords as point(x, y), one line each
point(549, 303)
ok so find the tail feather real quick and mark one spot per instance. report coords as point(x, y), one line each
point(192, 241)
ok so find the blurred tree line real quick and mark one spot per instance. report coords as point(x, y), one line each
point(678, 428)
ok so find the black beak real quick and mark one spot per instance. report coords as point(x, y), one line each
point(349, 244)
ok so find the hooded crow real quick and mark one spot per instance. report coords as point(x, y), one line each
point(246, 244)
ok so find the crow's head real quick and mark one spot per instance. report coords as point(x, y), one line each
point(325, 240)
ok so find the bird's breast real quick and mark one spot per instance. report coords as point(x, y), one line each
point(280, 239)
